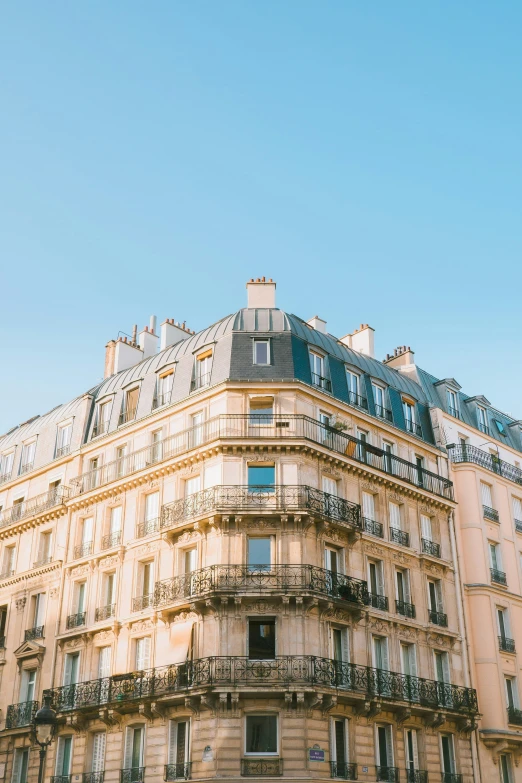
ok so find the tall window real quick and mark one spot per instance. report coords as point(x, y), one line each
point(487, 497)
point(261, 735)
point(151, 516)
point(28, 685)
point(402, 581)
point(3, 624)
point(115, 526)
point(146, 583)
point(317, 368)
point(164, 385)
point(381, 658)
point(44, 548)
point(408, 659)
point(376, 578)
point(202, 370)
point(495, 559)
point(259, 554)
point(63, 440)
point(38, 609)
point(109, 593)
point(27, 460)
point(412, 753)
point(329, 485)
point(426, 531)
point(6, 466)
point(340, 645)
point(384, 751)
point(103, 415)
point(409, 415)
point(512, 699)
point(63, 757)
point(482, 420)
point(98, 752)
point(130, 405)
point(192, 485)
point(80, 589)
point(104, 662)
point(261, 639)
point(261, 477)
point(8, 561)
point(442, 667)
point(504, 630)
point(352, 379)
point(178, 752)
point(379, 399)
point(339, 752)
point(143, 653)
point(87, 536)
point(333, 560)
point(453, 405)
point(506, 768)
point(395, 515)
point(20, 765)
point(517, 511)
point(436, 606)
point(71, 671)
point(448, 756)
point(261, 351)
point(197, 433)
point(134, 745)
point(368, 505)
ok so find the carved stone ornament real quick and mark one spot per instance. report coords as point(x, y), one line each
point(395, 496)
point(260, 607)
point(54, 592)
point(379, 626)
point(103, 636)
point(187, 536)
point(261, 524)
point(142, 625)
point(400, 558)
point(335, 535)
point(152, 547)
point(153, 483)
point(337, 615)
point(433, 568)
point(438, 639)
point(20, 603)
point(425, 509)
point(259, 458)
point(405, 630)
point(73, 643)
point(337, 474)
point(373, 549)
point(79, 570)
point(109, 562)
point(373, 487)
point(188, 469)
point(184, 617)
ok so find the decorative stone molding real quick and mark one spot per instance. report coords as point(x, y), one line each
point(372, 486)
point(381, 626)
point(184, 617)
point(334, 535)
point(187, 536)
point(20, 604)
point(152, 547)
point(80, 570)
point(337, 615)
point(374, 549)
point(102, 637)
point(54, 592)
point(402, 559)
point(109, 562)
point(260, 607)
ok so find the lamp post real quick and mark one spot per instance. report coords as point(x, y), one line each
point(44, 730)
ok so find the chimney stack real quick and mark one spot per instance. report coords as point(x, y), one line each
point(148, 340)
point(110, 355)
point(261, 293)
point(173, 332)
point(402, 356)
point(318, 324)
point(362, 340)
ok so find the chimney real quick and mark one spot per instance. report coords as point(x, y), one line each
point(173, 332)
point(148, 341)
point(403, 356)
point(261, 293)
point(126, 354)
point(318, 324)
point(362, 340)
point(110, 355)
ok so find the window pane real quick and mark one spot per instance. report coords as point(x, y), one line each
point(261, 352)
point(259, 551)
point(261, 639)
point(260, 475)
point(261, 734)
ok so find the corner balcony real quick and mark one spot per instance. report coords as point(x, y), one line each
point(273, 579)
point(34, 506)
point(275, 675)
point(278, 428)
point(281, 498)
point(484, 459)
point(261, 768)
point(20, 714)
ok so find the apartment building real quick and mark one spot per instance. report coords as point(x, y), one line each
point(246, 549)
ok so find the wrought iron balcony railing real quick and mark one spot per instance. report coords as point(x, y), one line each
point(372, 527)
point(34, 633)
point(63, 451)
point(127, 415)
point(344, 770)
point(43, 561)
point(148, 527)
point(104, 612)
point(277, 498)
point(282, 671)
point(26, 468)
point(142, 602)
point(357, 400)
point(261, 768)
point(5, 477)
point(514, 716)
point(378, 601)
point(159, 400)
point(132, 775)
point(390, 774)
point(100, 428)
point(518, 525)
point(451, 777)
point(2, 642)
point(383, 413)
point(110, 540)
point(83, 550)
point(263, 578)
point(76, 620)
point(485, 460)
point(93, 777)
point(416, 776)
point(200, 381)
point(21, 714)
point(29, 508)
point(413, 427)
point(61, 778)
point(498, 576)
point(274, 427)
point(490, 513)
point(404, 608)
point(484, 428)
point(179, 771)
point(322, 383)
point(430, 547)
point(438, 618)
point(399, 536)
point(453, 412)
point(506, 645)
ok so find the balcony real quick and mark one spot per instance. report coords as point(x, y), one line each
point(26, 468)
point(499, 577)
point(274, 498)
point(344, 770)
point(484, 428)
point(514, 716)
point(21, 714)
point(261, 768)
point(61, 778)
point(416, 776)
point(274, 427)
point(63, 451)
point(37, 505)
point(5, 477)
point(126, 416)
point(322, 383)
point(179, 771)
point(100, 428)
point(405, 609)
point(142, 602)
point(284, 579)
point(415, 429)
point(357, 400)
point(453, 412)
point(93, 777)
point(104, 612)
point(282, 672)
point(111, 540)
point(147, 528)
point(390, 774)
point(383, 413)
point(83, 550)
point(430, 547)
point(490, 513)
point(34, 633)
point(159, 400)
point(438, 618)
point(506, 645)
point(200, 381)
point(372, 527)
point(132, 775)
point(486, 460)
point(399, 536)
point(451, 777)
point(75, 620)
point(378, 601)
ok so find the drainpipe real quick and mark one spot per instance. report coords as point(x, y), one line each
point(60, 601)
point(463, 632)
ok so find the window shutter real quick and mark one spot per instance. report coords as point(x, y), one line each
point(87, 530)
point(486, 495)
point(368, 505)
point(395, 516)
point(98, 751)
point(173, 735)
point(116, 520)
point(17, 766)
point(59, 756)
point(345, 645)
point(426, 528)
point(129, 738)
point(104, 662)
point(151, 506)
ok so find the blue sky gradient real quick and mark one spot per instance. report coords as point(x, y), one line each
point(153, 157)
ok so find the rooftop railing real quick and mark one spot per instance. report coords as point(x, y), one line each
point(284, 670)
point(33, 506)
point(485, 460)
point(278, 498)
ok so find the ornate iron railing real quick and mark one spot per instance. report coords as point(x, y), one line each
point(259, 768)
point(34, 633)
point(451, 777)
point(21, 714)
point(63, 451)
point(323, 383)
point(142, 602)
point(390, 774)
point(383, 413)
point(159, 400)
point(82, 550)
point(372, 527)
point(5, 477)
point(75, 620)
point(148, 527)
point(413, 427)
point(438, 618)
point(132, 775)
point(110, 540)
point(486, 460)
point(33, 506)
point(399, 536)
point(498, 576)
point(179, 771)
point(453, 412)
point(61, 778)
point(272, 578)
point(26, 467)
point(344, 770)
point(514, 716)
point(93, 777)
point(100, 428)
point(276, 427)
point(357, 400)
point(506, 645)
point(404, 608)
point(281, 497)
point(490, 513)
point(283, 671)
point(200, 381)
point(104, 612)
point(378, 601)
point(430, 547)
point(416, 776)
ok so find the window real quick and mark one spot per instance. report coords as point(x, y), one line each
point(340, 645)
point(63, 757)
point(376, 579)
point(197, 434)
point(261, 477)
point(435, 597)
point(28, 685)
point(44, 548)
point(352, 379)
point(6, 466)
point(384, 749)
point(103, 416)
point(163, 393)
point(261, 735)
point(426, 531)
point(63, 440)
point(178, 753)
point(115, 526)
point(104, 662)
point(145, 584)
point(403, 594)
point(448, 754)
point(506, 768)
point(412, 753)
point(408, 659)
point(71, 669)
point(98, 751)
point(329, 485)
point(38, 609)
point(87, 537)
point(134, 743)
point(408, 409)
point(339, 752)
point(453, 404)
point(517, 511)
point(27, 460)
point(380, 653)
point(129, 405)
point(379, 399)
point(3, 625)
point(504, 630)
point(317, 368)
point(512, 693)
point(389, 451)
point(487, 497)
point(151, 514)
point(202, 370)
point(20, 765)
point(495, 559)
point(79, 593)
point(500, 427)
point(192, 485)
point(361, 451)
point(108, 591)
point(8, 561)
point(261, 411)
point(261, 351)
point(395, 515)
point(482, 420)
point(333, 560)
point(442, 667)
point(259, 554)
point(142, 653)
point(368, 505)
point(419, 463)
point(261, 639)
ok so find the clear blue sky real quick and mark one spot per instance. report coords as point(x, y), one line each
point(153, 156)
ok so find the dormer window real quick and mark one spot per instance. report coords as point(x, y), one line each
point(163, 389)
point(63, 440)
point(379, 399)
point(103, 415)
point(262, 352)
point(27, 461)
point(130, 405)
point(317, 367)
point(482, 420)
point(408, 407)
point(6, 466)
point(202, 370)
point(453, 404)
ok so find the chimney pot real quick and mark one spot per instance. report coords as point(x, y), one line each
point(261, 293)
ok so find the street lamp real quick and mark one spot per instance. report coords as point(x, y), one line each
point(44, 730)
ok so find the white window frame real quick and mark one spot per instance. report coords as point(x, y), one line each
point(255, 342)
